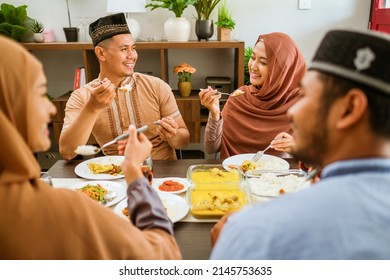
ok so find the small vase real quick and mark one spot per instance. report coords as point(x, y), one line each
point(184, 88)
point(178, 29)
point(224, 34)
point(38, 38)
point(204, 29)
point(71, 34)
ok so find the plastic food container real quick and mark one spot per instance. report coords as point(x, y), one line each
point(214, 191)
point(266, 185)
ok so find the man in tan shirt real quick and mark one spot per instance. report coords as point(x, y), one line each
point(119, 97)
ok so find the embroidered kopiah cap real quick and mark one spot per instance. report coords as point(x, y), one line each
point(108, 26)
point(361, 56)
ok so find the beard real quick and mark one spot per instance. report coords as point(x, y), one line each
point(312, 144)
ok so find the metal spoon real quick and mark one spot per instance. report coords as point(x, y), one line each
point(218, 92)
point(89, 150)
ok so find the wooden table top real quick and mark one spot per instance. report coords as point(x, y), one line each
point(193, 238)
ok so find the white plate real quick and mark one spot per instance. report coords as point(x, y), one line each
point(266, 162)
point(108, 185)
point(83, 171)
point(177, 207)
point(158, 181)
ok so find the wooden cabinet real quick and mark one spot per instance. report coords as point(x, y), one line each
point(189, 107)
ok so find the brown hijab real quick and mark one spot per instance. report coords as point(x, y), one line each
point(253, 119)
point(37, 221)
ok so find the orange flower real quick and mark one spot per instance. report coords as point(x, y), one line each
point(184, 72)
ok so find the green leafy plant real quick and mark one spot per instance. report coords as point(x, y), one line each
point(225, 17)
point(67, 7)
point(247, 55)
point(175, 6)
point(204, 8)
point(14, 21)
point(36, 27)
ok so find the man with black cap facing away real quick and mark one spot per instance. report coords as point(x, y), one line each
point(341, 124)
point(119, 97)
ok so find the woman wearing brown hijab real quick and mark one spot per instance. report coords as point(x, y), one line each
point(39, 222)
point(256, 113)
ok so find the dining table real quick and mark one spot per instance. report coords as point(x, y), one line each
point(192, 235)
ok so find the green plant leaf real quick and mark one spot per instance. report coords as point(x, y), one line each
point(12, 21)
point(247, 55)
point(175, 6)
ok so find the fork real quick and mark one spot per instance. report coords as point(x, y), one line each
point(259, 154)
point(96, 150)
point(155, 122)
point(218, 92)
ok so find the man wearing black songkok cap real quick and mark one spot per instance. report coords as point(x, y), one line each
point(119, 97)
point(340, 124)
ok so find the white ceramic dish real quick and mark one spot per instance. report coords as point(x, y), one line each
point(176, 206)
point(158, 181)
point(108, 185)
point(83, 170)
point(266, 162)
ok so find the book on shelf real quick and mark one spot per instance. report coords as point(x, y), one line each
point(79, 78)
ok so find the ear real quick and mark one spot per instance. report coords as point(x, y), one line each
point(353, 108)
point(99, 51)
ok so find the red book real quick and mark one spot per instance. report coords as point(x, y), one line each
point(76, 83)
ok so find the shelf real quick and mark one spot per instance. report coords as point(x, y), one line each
point(92, 66)
point(190, 106)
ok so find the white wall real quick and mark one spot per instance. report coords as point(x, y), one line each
point(253, 17)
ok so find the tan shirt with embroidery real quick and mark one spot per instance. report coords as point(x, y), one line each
point(149, 99)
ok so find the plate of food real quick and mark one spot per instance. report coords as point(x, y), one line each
point(176, 207)
point(97, 190)
point(244, 163)
point(101, 168)
point(172, 185)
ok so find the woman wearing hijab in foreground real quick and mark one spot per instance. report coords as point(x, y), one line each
point(39, 222)
point(256, 113)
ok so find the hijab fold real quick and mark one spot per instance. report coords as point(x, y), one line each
point(17, 162)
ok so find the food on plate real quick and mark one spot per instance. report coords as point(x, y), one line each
point(270, 184)
point(125, 211)
point(248, 165)
point(214, 175)
point(171, 186)
point(216, 203)
point(264, 163)
point(112, 169)
point(237, 92)
point(96, 192)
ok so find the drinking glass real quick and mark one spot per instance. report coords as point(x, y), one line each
point(45, 177)
point(147, 169)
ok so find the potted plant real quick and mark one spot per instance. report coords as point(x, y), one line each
point(247, 55)
point(225, 23)
point(184, 72)
point(178, 28)
point(204, 26)
point(14, 21)
point(70, 32)
point(37, 28)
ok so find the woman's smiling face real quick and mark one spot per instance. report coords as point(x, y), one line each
point(258, 65)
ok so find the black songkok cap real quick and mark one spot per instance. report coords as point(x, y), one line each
point(359, 56)
point(108, 26)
